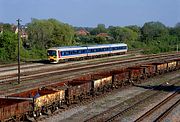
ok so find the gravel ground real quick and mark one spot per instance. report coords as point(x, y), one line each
point(143, 109)
point(40, 66)
point(84, 112)
point(174, 116)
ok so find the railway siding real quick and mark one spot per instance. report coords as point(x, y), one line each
point(89, 85)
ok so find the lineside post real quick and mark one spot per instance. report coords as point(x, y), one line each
point(19, 50)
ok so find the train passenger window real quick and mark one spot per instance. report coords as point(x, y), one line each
point(67, 53)
point(71, 52)
point(75, 51)
point(115, 48)
point(79, 52)
point(84, 51)
point(62, 53)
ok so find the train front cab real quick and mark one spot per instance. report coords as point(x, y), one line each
point(52, 56)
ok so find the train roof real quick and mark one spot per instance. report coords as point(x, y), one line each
point(120, 44)
point(68, 48)
point(106, 45)
point(85, 47)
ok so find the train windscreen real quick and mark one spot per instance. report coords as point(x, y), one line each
point(51, 53)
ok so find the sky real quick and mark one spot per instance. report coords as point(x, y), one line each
point(89, 13)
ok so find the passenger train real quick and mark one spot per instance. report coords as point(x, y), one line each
point(58, 54)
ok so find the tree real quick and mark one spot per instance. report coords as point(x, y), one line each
point(7, 27)
point(152, 30)
point(8, 45)
point(48, 33)
point(123, 34)
point(177, 25)
point(99, 29)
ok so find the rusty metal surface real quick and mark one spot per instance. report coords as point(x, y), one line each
point(12, 107)
point(172, 65)
point(100, 83)
point(42, 97)
point(77, 88)
point(149, 69)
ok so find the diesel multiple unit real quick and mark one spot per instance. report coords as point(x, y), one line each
point(57, 54)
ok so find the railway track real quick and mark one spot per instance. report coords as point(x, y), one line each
point(116, 112)
point(170, 109)
point(25, 66)
point(30, 64)
point(12, 77)
point(13, 69)
point(158, 106)
point(38, 80)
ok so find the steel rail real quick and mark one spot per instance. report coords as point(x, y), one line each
point(148, 113)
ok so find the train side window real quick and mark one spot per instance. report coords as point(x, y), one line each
point(84, 51)
point(89, 50)
point(71, 52)
point(67, 53)
point(76, 51)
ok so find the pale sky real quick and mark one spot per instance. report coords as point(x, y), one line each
point(89, 13)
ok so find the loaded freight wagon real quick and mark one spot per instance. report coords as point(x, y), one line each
point(43, 100)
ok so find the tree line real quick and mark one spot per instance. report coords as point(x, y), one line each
point(152, 37)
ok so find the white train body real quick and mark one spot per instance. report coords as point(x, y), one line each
point(57, 54)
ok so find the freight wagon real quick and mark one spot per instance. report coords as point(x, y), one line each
point(136, 74)
point(120, 77)
point(85, 87)
point(101, 83)
point(160, 67)
point(102, 79)
point(13, 109)
point(77, 90)
point(149, 70)
point(42, 100)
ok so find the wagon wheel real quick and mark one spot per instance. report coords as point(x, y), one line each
point(17, 118)
point(29, 117)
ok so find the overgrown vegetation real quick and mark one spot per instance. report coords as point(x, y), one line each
point(152, 37)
